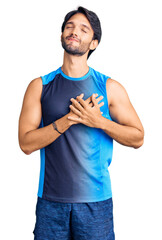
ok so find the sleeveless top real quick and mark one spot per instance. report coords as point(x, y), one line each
point(74, 168)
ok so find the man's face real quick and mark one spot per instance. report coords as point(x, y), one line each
point(77, 36)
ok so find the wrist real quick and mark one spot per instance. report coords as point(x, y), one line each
point(55, 127)
point(101, 123)
point(62, 124)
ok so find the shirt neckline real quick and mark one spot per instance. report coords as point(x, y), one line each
point(76, 79)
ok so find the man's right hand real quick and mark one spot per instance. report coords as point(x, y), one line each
point(88, 100)
point(31, 137)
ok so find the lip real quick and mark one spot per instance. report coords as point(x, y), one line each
point(73, 39)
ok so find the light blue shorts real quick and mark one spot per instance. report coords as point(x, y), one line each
point(74, 221)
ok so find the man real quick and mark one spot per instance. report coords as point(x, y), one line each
point(64, 117)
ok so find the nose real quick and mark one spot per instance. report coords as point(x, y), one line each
point(74, 31)
point(74, 34)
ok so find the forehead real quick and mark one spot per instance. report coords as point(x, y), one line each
point(80, 18)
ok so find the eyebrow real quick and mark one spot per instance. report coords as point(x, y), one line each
point(80, 24)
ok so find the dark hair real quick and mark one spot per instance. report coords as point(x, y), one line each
point(92, 18)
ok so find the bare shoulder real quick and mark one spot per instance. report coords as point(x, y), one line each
point(36, 83)
point(34, 88)
point(32, 96)
point(114, 85)
point(115, 91)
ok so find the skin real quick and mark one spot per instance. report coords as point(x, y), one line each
point(126, 127)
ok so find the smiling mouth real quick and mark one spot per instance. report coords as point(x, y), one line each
point(72, 39)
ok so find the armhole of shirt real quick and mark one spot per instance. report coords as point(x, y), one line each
point(108, 112)
point(42, 78)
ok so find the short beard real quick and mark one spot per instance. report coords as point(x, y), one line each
point(74, 50)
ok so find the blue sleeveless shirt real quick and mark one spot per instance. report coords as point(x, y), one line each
point(74, 168)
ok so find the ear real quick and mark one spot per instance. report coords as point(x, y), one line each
point(93, 44)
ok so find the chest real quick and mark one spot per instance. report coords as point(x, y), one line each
point(56, 97)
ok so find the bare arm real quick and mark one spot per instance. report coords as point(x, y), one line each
point(30, 137)
point(126, 128)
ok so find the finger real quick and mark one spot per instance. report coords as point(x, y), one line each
point(88, 100)
point(94, 100)
point(75, 119)
point(94, 94)
point(76, 111)
point(77, 105)
point(73, 102)
point(91, 104)
point(101, 104)
point(83, 103)
point(99, 98)
point(81, 95)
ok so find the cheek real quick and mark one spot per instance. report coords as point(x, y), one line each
point(87, 38)
point(65, 34)
point(86, 41)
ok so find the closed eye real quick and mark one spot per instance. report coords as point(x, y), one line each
point(82, 29)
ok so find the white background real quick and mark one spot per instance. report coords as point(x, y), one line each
point(130, 52)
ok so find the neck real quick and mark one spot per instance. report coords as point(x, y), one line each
point(74, 66)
